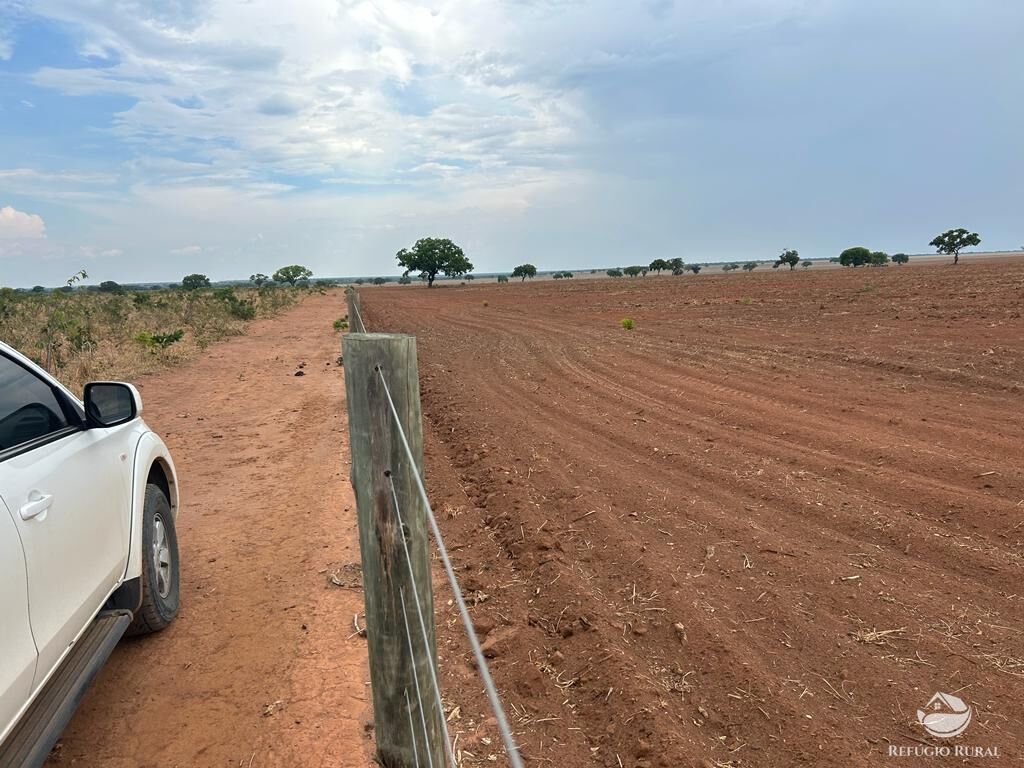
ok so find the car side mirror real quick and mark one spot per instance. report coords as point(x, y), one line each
point(110, 403)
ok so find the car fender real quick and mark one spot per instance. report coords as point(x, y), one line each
point(152, 460)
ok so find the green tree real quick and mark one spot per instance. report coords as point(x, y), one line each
point(900, 258)
point(502, 278)
point(195, 281)
point(614, 273)
point(109, 286)
point(38, 289)
point(292, 274)
point(879, 258)
point(750, 266)
point(953, 240)
point(404, 280)
point(695, 268)
point(854, 257)
point(806, 264)
point(433, 255)
point(259, 279)
point(632, 271)
point(524, 271)
point(379, 281)
point(658, 265)
point(676, 265)
point(790, 257)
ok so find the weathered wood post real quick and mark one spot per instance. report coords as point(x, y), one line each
point(355, 311)
point(378, 460)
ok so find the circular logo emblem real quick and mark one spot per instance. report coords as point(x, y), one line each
point(945, 716)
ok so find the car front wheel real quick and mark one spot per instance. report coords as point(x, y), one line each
point(159, 565)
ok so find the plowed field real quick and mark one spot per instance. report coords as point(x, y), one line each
point(762, 528)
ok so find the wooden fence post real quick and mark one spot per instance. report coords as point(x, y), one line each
point(355, 311)
point(378, 459)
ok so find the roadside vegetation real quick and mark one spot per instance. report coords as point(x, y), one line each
point(83, 333)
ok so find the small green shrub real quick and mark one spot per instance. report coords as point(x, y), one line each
point(341, 324)
point(155, 341)
point(626, 323)
point(242, 309)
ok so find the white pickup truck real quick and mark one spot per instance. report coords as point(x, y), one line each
point(88, 551)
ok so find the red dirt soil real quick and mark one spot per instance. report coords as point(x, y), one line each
point(261, 667)
point(762, 528)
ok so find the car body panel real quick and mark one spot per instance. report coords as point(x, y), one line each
point(149, 453)
point(18, 659)
point(76, 550)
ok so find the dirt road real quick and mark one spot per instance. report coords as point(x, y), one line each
point(763, 528)
point(260, 668)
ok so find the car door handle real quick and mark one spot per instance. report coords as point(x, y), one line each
point(37, 506)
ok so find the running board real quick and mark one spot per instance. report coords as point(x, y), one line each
point(29, 744)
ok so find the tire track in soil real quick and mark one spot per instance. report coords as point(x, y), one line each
point(773, 536)
point(260, 668)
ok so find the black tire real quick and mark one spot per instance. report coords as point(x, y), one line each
point(157, 610)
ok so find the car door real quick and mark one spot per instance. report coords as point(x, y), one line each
point(67, 489)
point(17, 649)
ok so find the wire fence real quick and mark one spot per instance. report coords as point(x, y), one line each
point(355, 318)
point(390, 508)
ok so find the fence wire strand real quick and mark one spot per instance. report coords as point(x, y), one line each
point(416, 680)
point(359, 317)
point(412, 728)
point(492, 694)
point(423, 626)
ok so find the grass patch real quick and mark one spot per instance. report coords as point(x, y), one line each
point(84, 335)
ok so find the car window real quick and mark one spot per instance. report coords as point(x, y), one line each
point(29, 408)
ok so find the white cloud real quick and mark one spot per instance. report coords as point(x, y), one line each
point(188, 250)
point(18, 225)
point(10, 18)
point(343, 88)
point(62, 177)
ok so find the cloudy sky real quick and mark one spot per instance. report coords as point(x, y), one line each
point(145, 139)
